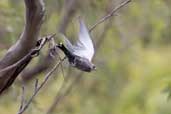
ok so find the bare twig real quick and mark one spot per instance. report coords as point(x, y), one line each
point(34, 18)
point(77, 78)
point(36, 85)
point(40, 43)
point(63, 93)
point(12, 71)
point(69, 10)
point(112, 13)
point(22, 99)
point(40, 86)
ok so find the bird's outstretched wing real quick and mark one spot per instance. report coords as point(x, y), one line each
point(67, 43)
point(84, 46)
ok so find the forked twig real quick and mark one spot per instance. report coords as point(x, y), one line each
point(37, 88)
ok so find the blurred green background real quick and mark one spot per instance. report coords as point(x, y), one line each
point(133, 58)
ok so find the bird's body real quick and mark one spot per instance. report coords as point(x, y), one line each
point(80, 54)
point(76, 61)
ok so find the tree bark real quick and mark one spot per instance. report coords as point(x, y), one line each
point(27, 41)
point(47, 61)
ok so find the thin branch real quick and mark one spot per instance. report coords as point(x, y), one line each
point(67, 13)
point(34, 17)
point(112, 13)
point(9, 74)
point(19, 52)
point(78, 77)
point(36, 85)
point(62, 94)
point(40, 86)
point(22, 99)
point(40, 43)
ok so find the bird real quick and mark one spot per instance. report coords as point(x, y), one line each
point(81, 53)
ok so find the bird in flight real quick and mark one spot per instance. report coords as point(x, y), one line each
point(80, 54)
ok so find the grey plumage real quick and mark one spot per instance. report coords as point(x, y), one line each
point(80, 54)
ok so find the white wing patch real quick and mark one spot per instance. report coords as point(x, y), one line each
point(67, 43)
point(84, 46)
